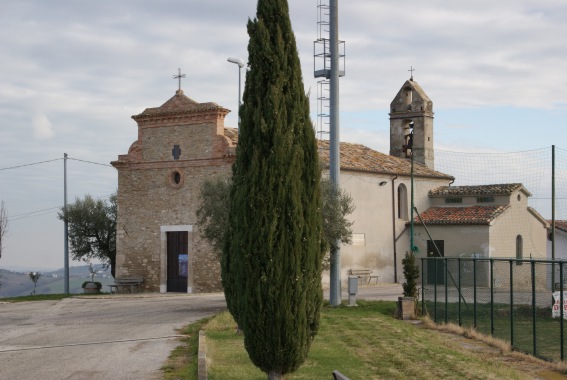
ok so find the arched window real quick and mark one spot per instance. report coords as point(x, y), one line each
point(408, 97)
point(402, 202)
point(519, 249)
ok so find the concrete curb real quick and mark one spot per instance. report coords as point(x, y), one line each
point(202, 357)
point(145, 295)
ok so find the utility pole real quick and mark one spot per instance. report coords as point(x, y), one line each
point(328, 53)
point(553, 217)
point(66, 224)
point(335, 155)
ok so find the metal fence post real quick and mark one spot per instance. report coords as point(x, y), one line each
point(534, 332)
point(434, 259)
point(492, 297)
point(474, 292)
point(512, 303)
point(459, 305)
point(423, 262)
point(561, 322)
point(446, 261)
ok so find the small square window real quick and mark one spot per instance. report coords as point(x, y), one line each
point(453, 200)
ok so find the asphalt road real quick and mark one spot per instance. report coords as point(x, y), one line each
point(104, 338)
point(114, 338)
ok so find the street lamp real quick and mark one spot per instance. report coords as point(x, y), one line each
point(240, 64)
point(409, 147)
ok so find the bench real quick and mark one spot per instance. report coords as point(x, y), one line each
point(363, 274)
point(130, 281)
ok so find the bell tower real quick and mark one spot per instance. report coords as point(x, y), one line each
point(411, 125)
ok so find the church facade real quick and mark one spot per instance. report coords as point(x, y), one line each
point(179, 145)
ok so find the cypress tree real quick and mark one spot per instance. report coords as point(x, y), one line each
point(271, 263)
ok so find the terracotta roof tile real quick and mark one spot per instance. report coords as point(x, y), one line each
point(357, 157)
point(482, 190)
point(475, 215)
point(232, 135)
point(178, 104)
point(560, 225)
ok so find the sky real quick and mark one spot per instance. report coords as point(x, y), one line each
point(72, 74)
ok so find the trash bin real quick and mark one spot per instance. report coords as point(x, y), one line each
point(352, 290)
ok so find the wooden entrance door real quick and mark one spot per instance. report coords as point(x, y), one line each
point(436, 267)
point(177, 261)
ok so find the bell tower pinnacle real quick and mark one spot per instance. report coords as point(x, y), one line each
point(411, 124)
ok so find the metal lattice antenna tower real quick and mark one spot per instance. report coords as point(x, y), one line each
point(322, 67)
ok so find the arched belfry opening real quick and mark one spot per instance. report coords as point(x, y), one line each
point(412, 106)
point(408, 98)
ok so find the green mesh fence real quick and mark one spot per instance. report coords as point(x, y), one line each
point(510, 299)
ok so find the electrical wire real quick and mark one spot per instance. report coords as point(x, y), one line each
point(42, 212)
point(55, 159)
point(34, 163)
point(33, 214)
point(89, 162)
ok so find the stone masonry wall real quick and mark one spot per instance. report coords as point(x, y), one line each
point(195, 142)
point(146, 201)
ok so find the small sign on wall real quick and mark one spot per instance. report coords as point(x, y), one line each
point(359, 239)
point(555, 309)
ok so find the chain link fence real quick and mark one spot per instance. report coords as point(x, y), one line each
point(514, 300)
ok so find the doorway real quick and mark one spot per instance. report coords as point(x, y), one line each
point(436, 268)
point(177, 261)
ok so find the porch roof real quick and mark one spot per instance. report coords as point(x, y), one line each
point(468, 215)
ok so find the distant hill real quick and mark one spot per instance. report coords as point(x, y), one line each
point(15, 284)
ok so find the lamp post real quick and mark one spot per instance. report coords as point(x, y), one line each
point(240, 64)
point(409, 147)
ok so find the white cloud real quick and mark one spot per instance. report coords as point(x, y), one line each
point(86, 67)
point(42, 127)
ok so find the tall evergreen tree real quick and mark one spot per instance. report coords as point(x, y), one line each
point(271, 264)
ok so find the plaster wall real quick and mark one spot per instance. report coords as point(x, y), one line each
point(518, 220)
point(376, 223)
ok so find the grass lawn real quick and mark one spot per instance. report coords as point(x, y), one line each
point(37, 297)
point(363, 342)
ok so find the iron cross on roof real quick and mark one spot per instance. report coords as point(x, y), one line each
point(411, 70)
point(178, 77)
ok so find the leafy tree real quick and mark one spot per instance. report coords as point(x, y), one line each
point(34, 276)
point(92, 229)
point(271, 263)
point(212, 214)
point(336, 205)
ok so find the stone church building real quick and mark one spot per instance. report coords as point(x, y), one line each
point(182, 143)
point(179, 145)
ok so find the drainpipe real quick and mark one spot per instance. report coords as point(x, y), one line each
point(394, 228)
